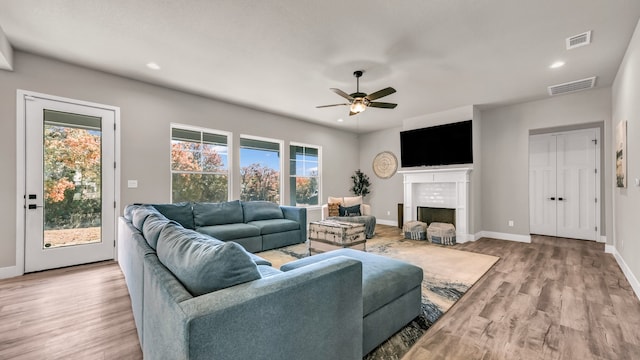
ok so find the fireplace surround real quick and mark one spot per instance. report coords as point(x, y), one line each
point(444, 188)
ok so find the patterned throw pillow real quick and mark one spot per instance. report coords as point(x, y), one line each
point(349, 210)
point(334, 209)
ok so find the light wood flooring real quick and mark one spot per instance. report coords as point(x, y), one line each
point(551, 299)
point(80, 312)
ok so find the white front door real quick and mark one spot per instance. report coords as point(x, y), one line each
point(564, 184)
point(69, 183)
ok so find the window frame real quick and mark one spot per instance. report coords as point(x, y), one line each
point(202, 130)
point(319, 176)
point(281, 154)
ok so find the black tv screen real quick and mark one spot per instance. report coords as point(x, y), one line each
point(446, 144)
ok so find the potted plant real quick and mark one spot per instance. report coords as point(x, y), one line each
point(360, 183)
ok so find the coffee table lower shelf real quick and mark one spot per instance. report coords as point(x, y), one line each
point(317, 246)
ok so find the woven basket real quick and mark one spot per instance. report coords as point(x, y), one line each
point(441, 233)
point(415, 230)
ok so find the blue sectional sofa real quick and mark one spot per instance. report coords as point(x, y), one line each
point(196, 297)
point(256, 225)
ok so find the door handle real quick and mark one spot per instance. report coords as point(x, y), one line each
point(561, 199)
point(552, 198)
point(33, 206)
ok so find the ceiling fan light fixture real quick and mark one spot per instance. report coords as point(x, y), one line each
point(359, 105)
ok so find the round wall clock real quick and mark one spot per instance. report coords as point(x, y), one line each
point(385, 165)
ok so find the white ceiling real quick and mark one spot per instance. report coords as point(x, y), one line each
point(283, 56)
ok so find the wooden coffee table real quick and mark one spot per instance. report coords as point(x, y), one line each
point(329, 235)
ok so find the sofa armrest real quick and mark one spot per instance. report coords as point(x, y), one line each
point(298, 214)
point(285, 316)
point(325, 211)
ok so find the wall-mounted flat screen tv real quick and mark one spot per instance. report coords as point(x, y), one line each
point(446, 144)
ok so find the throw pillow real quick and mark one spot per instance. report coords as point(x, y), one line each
point(352, 201)
point(332, 199)
point(334, 209)
point(349, 210)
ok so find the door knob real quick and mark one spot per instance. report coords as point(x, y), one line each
point(552, 198)
point(561, 199)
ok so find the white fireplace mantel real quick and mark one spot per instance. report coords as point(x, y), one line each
point(442, 188)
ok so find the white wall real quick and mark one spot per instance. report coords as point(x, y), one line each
point(386, 194)
point(505, 153)
point(626, 201)
point(146, 112)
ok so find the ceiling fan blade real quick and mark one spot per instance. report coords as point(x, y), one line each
point(384, 105)
point(324, 106)
point(381, 93)
point(342, 93)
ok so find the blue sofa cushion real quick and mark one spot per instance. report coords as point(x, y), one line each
point(266, 271)
point(259, 260)
point(202, 265)
point(208, 214)
point(275, 225)
point(383, 278)
point(261, 210)
point(152, 227)
point(180, 212)
point(139, 215)
point(230, 231)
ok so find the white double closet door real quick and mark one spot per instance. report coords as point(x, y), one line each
point(564, 184)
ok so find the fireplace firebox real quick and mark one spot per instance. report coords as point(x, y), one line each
point(441, 215)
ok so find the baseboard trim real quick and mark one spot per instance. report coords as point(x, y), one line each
point(503, 236)
point(9, 272)
point(387, 222)
point(601, 239)
point(635, 285)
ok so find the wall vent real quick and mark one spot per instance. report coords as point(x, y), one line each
point(572, 86)
point(579, 40)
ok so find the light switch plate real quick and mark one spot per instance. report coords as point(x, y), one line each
point(132, 184)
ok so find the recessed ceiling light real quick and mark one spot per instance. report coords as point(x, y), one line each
point(340, 120)
point(153, 66)
point(557, 64)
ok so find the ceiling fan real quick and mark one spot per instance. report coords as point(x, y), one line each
point(358, 102)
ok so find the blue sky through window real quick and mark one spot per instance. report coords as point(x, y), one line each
point(268, 158)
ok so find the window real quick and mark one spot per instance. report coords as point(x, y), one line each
point(304, 176)
point(259, 169)
point(199, 165)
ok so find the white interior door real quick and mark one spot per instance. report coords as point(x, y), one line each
point(542, 184)
point(576, 184)
point(564, 184)
point(69, 183)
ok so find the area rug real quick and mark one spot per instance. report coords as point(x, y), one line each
point(448, 274)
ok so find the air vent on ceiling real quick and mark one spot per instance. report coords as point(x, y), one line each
point(579, 40)
point(572, 86)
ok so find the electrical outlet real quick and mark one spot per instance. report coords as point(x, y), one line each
point(511, 223)
point(132, 184)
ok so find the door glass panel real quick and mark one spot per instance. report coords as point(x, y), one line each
point(72, 179)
